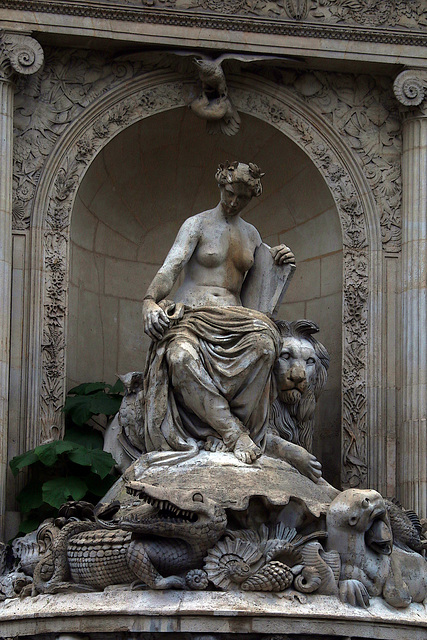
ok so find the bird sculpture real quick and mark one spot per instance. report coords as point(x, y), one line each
point(209, 99)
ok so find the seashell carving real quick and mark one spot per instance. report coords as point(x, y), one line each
point(276, 542)
point(230, 562)
point(196, 579)
point(327, 565)
point(273, 576)
point(308, 580)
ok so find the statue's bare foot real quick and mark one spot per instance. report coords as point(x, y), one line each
point(305, 462)
point(245, 449)
point(215, 444)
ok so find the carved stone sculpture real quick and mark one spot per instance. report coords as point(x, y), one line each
point(301, 373)
point(220, 496)
point(214, 104)
point(208, 373)
point(209, 98)
point(196, 524)
point(151, 545)
point(359, 529)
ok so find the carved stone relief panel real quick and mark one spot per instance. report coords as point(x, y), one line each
point(279, 16)
point(53, 109)
point(363, 109)
point(56, 236)
point(46, 104)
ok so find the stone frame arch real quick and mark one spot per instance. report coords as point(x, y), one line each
point(156, 92)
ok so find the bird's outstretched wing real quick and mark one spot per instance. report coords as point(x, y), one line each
point(182, 60)
point(179, 60)
point(250, 58)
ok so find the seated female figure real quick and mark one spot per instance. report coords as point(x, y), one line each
point(208, 375)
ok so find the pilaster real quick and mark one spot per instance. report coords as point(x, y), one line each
point(19, 54)
point(411, 90)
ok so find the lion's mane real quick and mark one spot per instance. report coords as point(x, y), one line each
point(295, 422)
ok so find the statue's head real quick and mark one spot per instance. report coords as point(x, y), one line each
point(361, 511)
point(303, 361)
point(238, 172)
point(301, 373)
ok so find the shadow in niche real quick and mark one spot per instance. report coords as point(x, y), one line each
point(127, 213)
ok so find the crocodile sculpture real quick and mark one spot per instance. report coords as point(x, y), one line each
point(156, 543)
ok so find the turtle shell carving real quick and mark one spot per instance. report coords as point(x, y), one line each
point(267, 485)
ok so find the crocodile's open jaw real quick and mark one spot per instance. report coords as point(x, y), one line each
point(166, 510)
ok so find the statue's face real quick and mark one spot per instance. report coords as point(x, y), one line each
point(234, 197)
point(295, 369)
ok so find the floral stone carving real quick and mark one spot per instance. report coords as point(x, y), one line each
point(279, 16)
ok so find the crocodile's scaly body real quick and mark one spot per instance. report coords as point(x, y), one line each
point(154, 547)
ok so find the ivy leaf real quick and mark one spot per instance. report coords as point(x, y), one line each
point(77, 407)
point(82, 408)
point(23, 460)
point(118, 387)
point(30, 497)
point(97, 486)
point(81, 456)
point(29, 525)
point(100, 462)
point(89, 438)
point(105, 404)
point(48, 453)
point(57, 491)
point(87, 388)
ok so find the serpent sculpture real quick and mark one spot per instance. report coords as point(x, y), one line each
point(156, 543)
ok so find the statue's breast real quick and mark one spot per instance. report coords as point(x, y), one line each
point(212, 255)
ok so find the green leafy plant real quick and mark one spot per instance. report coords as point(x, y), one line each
point(93, 398)
point(74, 468)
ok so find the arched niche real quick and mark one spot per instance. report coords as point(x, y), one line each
point(159, 92)
point(127, 211)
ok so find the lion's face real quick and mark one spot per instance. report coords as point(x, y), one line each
point(295, 369)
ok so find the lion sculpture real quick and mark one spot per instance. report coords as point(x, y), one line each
point(301, 373)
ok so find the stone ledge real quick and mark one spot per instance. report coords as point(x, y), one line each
point(175, 612)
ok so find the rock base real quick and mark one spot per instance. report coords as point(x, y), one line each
point(176, 615)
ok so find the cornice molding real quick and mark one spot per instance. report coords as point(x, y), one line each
point(336, 23)
point(19, 54)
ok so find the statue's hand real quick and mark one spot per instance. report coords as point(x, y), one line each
point(282, 254)
point(155, 319)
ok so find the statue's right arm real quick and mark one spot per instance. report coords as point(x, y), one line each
point(155, 319)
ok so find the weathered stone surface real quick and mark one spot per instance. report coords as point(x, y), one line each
point(228, 481)
point(207, 612)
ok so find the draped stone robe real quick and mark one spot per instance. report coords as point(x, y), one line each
point(210, 375)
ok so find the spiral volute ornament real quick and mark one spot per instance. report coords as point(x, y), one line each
point(410, 87)
point(23, 54)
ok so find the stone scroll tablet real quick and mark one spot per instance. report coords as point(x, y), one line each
point(266, 282)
